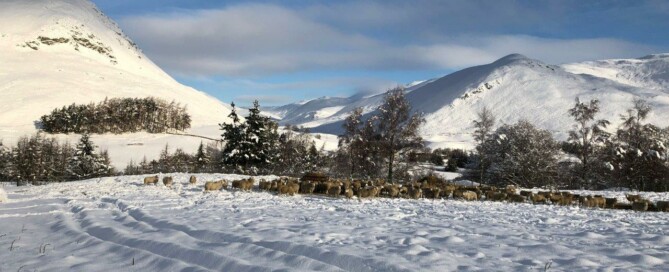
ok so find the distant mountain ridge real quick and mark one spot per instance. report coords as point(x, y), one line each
point(514, 87)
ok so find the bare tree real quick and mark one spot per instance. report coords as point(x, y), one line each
point(397, 126)
point(484, 127)
point(585, 136)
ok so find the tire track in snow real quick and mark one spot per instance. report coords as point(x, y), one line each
point(193, 259)
point(331, 258)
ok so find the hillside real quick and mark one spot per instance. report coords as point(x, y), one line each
point(516, 87)
point(56, 53)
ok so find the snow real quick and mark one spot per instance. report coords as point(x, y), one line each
point(33, 82)
point(516, 87)
point(182, 228)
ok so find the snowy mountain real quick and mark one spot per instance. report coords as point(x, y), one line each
point(327, 110)
point(647, 72)
point(516, 87)
point(59, 52)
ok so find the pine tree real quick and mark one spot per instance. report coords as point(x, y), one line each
point(261, 137)
point(86, 163)
point(235, 152)
point(202, 160)
point(5, 158)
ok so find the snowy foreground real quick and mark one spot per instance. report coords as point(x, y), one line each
point(107, 224)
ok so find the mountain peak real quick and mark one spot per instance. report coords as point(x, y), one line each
point(512, 58)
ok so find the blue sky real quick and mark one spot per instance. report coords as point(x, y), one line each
point(285, 51)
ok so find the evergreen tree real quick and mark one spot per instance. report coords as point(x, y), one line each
point(86, 163)
point(5, 162)
point(235, 152)
point(261, 137)
point(202, 160)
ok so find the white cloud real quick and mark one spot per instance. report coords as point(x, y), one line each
point(261, 39)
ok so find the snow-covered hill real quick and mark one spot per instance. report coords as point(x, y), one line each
point(516, 87)
point(58, 52)
point(650, 72)
point(325, 110)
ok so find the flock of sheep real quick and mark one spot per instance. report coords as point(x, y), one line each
point(428, 187)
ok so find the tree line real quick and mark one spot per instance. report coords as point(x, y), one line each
point(634, 156)
point(385, 143)
point(39, 158)
point(252, 146)
point(118, 115)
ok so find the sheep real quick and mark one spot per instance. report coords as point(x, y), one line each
point(404, 191)
point(391, 190)
point(264, 185)
point(597, 202)
point(469, 195)
point(662, 206)
point(215, 185)
point(538, 198)
point(610, 202)
point(248, 184)
point(348, 192)
point(594, 202)
point(369, 191)
point(517, 198)
point(414, 192)
point(622, 206)
point(290, 188)
point(168, 181)
point(496, 196)
point(565, 200)
point(151, 180)
point(244, 184)
point(334, 191)
point(511, 190)
point(633, 198)
point(192, 180)
point(431, 193)
point(307, 187)
point(640, 206)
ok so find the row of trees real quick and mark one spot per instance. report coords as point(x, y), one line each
point(118, 115)
point(635, 156)
point(252, 147)
point(38, 158)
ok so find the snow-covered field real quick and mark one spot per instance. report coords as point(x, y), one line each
point(107, 224)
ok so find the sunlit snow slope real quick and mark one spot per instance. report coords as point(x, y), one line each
point(59, 52)
point(516, 87)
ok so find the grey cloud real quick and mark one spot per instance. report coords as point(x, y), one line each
point(260, 39)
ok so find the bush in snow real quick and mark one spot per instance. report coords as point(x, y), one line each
point(521, 154)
